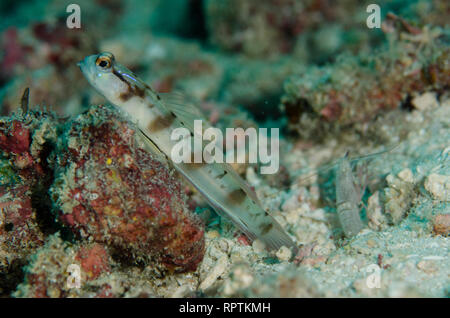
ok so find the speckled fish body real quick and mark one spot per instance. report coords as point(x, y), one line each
point(217, 182)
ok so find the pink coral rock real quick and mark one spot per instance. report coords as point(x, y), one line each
point(116, 193)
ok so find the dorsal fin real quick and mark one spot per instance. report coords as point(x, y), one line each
point(184, 109)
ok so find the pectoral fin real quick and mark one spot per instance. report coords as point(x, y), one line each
point(153, 148)
point(184, 109)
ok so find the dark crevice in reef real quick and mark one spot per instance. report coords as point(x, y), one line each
point(196, 28)
point(188, 24)
point(266, 108)
point(407, 105)
point(293, 112)
point(40, 197)
point(40, 200)
point(125, 260)
point(11, 277)
point(267, 113)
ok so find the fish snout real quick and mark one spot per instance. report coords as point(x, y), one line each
point(82, 65)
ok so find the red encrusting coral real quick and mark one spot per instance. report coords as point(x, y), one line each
point(94, 260)
point(24, 180)
point(15, 138)
point(119, 195)
point(15, 143)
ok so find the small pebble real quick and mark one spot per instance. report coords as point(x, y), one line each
point(441, 224)
point(258, 246)
point(284, 254)
point(212, 234)
point(438, 186)
point(215, 273)
point(371, 243)
point(406, 175)
point(425, 101)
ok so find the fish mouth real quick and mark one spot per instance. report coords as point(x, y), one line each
point(82, 65)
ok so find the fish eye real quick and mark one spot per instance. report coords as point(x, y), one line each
point(104, 60)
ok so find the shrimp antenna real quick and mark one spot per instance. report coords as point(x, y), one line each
point(332, 164)
point(373, 154)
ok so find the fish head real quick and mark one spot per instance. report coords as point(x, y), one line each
point(108, 77)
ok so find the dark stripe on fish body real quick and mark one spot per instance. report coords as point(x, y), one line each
point(139, 91)
point(237, 195)
point(126, 96)
point(193, 158)
point(254, 215)
point(120, 76)
point(131, 91)
point(266, 228)
point(161, 122)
